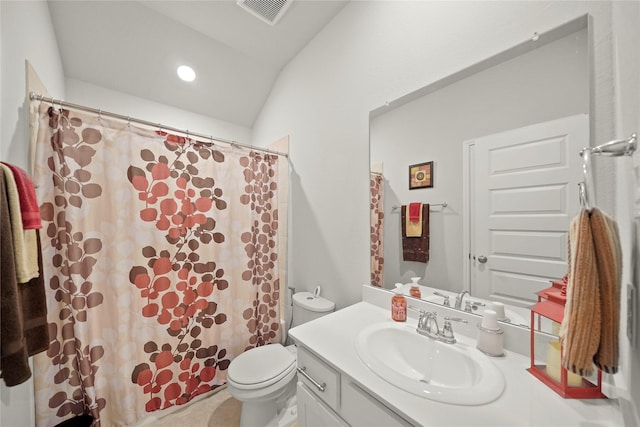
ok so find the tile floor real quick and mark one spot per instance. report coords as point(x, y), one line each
point(217, 410)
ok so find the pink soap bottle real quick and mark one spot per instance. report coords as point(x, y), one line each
point(399, 307)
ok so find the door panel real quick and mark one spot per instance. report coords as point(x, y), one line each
point(549, 199)
point(516, 286)
point(529, 156)
point(528, 244)
point(523, 194)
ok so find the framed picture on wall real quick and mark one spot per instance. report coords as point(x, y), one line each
point(421, 175)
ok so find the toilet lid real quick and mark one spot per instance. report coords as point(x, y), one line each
point(310, 302)
point(261, 365)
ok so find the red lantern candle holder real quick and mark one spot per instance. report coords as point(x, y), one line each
point(550, 306)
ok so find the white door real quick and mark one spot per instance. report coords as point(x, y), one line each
point(523, 194)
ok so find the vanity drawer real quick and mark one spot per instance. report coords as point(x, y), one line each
point(359, 408)
point(319, 377)
point(313, 413)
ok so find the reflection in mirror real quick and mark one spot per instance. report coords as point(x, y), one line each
point(534, 82)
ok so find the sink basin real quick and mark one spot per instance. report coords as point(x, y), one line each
point(449, 373)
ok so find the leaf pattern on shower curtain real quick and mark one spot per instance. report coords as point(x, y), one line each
point(75, 361)
point(261, 196)
point(161, 259)
point(176, 284)
point(376, 190)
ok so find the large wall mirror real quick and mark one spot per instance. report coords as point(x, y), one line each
point(499, 122)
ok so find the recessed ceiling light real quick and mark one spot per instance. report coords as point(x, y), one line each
point(186, 73)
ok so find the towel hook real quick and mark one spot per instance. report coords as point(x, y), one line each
point(586, 186)
point(584, 199)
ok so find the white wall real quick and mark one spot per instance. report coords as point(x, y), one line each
point(545, 84)
point(90, 95)
point(378, 51)
point(26, 34)
point(626, 34)
point(375, 51)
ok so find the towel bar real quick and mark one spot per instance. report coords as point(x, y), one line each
point(444, 205)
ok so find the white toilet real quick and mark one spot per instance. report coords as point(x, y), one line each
point(264, 378)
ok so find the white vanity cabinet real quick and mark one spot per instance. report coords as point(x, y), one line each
point(328, 397)
point(354, 395)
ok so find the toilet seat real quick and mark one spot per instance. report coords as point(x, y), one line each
point(261, 367)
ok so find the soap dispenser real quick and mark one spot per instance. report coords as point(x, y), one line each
point(399, 305)
point(490, 336)
point(415, 288)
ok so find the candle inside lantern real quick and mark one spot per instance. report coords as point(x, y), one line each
point(554, 364)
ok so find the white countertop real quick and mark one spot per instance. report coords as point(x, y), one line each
point(525, 401)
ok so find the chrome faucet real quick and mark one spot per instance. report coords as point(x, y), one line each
point(428, 325)
point(458, 303)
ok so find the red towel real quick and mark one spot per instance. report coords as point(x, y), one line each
point(415, 248)
point(414, 211)
point(28, 202)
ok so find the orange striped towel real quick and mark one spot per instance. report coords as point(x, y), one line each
point(609, 265)
point(580, 329)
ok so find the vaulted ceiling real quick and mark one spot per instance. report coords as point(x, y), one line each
point(136, 46)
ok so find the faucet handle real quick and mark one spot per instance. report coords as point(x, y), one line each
point(455, 319)
point(447, 329)
point(446, 302)
point(422, 313)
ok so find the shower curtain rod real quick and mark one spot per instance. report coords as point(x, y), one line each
point(35, 96)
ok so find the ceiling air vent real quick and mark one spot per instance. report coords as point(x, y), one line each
point(269, 11)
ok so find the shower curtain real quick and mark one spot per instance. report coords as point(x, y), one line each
point(160, 261)
point(376, 186)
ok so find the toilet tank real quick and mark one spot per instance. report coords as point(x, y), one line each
point(307, 307)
